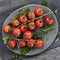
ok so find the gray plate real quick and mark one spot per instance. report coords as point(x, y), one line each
point(50, 35)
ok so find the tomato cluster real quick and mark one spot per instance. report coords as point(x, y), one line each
point(23, 43)
point(20, 27)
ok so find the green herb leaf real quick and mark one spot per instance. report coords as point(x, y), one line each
point(35, 35)
point(49, 28)
point(25, 50)
point(6, 39)
point(38, 35)
point(22, 11)
point(45, 3)
point(55, 11)
point(15, 56)
point(42, 32)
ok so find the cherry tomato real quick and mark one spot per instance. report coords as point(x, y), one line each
point(39, 11)
point(22, 18)
point(31, 43)
point(39, 43)
point(31, 26)
point(22, 43)
point(47, 17)
point(12, 44)
point(15, 22)
point(6, 28)
point(23, 28)
point(49, 21)
point(27, 35)
point(39, 23)
point(31, 15)
point(16, 31)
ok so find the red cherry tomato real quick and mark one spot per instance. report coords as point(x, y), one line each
point(49, 21)
point(6, 28)
point(39, 11)
point(22, 18)
point(39, 43)
point(39, 23)
point(31, 43)
point(12, 44)
point(22, 43)
point(16, 31)
point(31, 15)
point(31, 26)
point(27, 35)
point(47, 17)
point(23, 28)
point(15, 22)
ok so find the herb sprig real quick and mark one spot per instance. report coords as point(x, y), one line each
point(55, 11)
point(45, 2)
point(24, 50)
point(22, 11)
point(5, 39)
point(42, 32)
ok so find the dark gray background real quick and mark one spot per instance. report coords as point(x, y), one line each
point(8, 6)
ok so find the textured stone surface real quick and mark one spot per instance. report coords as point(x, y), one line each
point(7, 7)
point(9, 4)
point(53, 54)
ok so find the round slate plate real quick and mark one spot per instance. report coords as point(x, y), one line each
point(50, 35)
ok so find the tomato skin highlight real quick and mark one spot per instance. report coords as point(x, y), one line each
point(38, 11)
point(6, 28)
point(39, 43)
point(22, 18)
point(15, 22)
point(31, 15)
point(27, 35)
point(39, 24)
point(31, 26)
point(47, 17)
point(49, 21)
point(16, 31)
point(12, 44)
point(31, 43)
point(22, 43)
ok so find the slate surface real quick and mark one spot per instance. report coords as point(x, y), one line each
point(8, 6)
